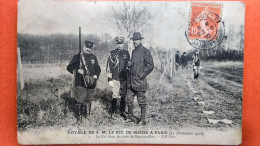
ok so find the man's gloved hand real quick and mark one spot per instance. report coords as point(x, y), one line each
point(109, 75)
point(111, 83)
point(81, 71)
point(129, 64)
point(95, 76)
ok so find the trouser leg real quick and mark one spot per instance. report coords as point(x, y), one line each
point(84, 110)
point(122, 104)
point(87, 103)
point(142, 120)
point(142, 103)
point(79, 114)
point(131, 113)
point(195, 70)
point(66, 107)
point(122, 108)
point(114, 105)
point(198, 71)
point(130, 104)
point(88, 109)
point(115, 95)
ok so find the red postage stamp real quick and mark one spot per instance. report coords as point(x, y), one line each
point(204, 23)
point(206, 28)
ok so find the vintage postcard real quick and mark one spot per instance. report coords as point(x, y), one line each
point(130, 72)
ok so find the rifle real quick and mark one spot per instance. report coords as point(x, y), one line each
point(74, 71)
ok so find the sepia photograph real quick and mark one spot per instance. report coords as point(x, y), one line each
point(130, 72)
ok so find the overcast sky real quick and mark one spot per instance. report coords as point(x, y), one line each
point(168, 24)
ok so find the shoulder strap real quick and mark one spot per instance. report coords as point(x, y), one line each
point(117, 59)
point(108, 66)
point(84, 63)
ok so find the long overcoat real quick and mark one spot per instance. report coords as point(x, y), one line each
point(142, 65)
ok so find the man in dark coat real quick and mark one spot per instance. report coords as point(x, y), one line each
point(82, 63)
point(117, 75)
point(177, 60)
point(184, 61)
point(141, 65)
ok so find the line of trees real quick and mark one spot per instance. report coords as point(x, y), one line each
point(58, 48)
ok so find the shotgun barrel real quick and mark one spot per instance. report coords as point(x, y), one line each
point(74, 71)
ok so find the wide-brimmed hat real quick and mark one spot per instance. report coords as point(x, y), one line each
point(88, 44)
point(137, 36)
point(120, 40)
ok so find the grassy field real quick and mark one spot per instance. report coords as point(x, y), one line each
point(214, 101)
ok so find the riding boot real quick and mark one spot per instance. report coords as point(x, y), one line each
point(142, 118)
point(131, 113)
point(122, 108)
point(83, 110)
point(88, 109)
point(113, 106)
point(79, 114)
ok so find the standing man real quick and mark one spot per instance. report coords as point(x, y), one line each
point(141, 65)
point(196, 64)
point(117, 75)
point(184, 61)
point(177, 60)
point(87, 70)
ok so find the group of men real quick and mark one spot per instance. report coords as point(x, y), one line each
point(183, 62)
point(126, 76)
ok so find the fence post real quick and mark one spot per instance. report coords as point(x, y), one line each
point(164, 71)
point(174, 63)
point(171, 65)
point(20, 67)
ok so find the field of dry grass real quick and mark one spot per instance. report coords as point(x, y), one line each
point(214, 101)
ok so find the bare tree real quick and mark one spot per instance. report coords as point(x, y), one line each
point(130, 18)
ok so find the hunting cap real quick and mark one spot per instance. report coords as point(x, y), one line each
point(184, 52)
point(136, 36)
point(88, 44)
point(120, 40)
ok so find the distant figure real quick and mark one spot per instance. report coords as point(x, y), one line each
point(196, 64)
point(163, 61)
point(117, 75)
point(184, 61)
point(177, 60)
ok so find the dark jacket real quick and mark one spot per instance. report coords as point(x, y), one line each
point(92, 65)
point(143, 65)
point(184, 61)
point(177, 58)
point(116, 64)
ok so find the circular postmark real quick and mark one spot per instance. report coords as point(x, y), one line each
point(206, 30)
